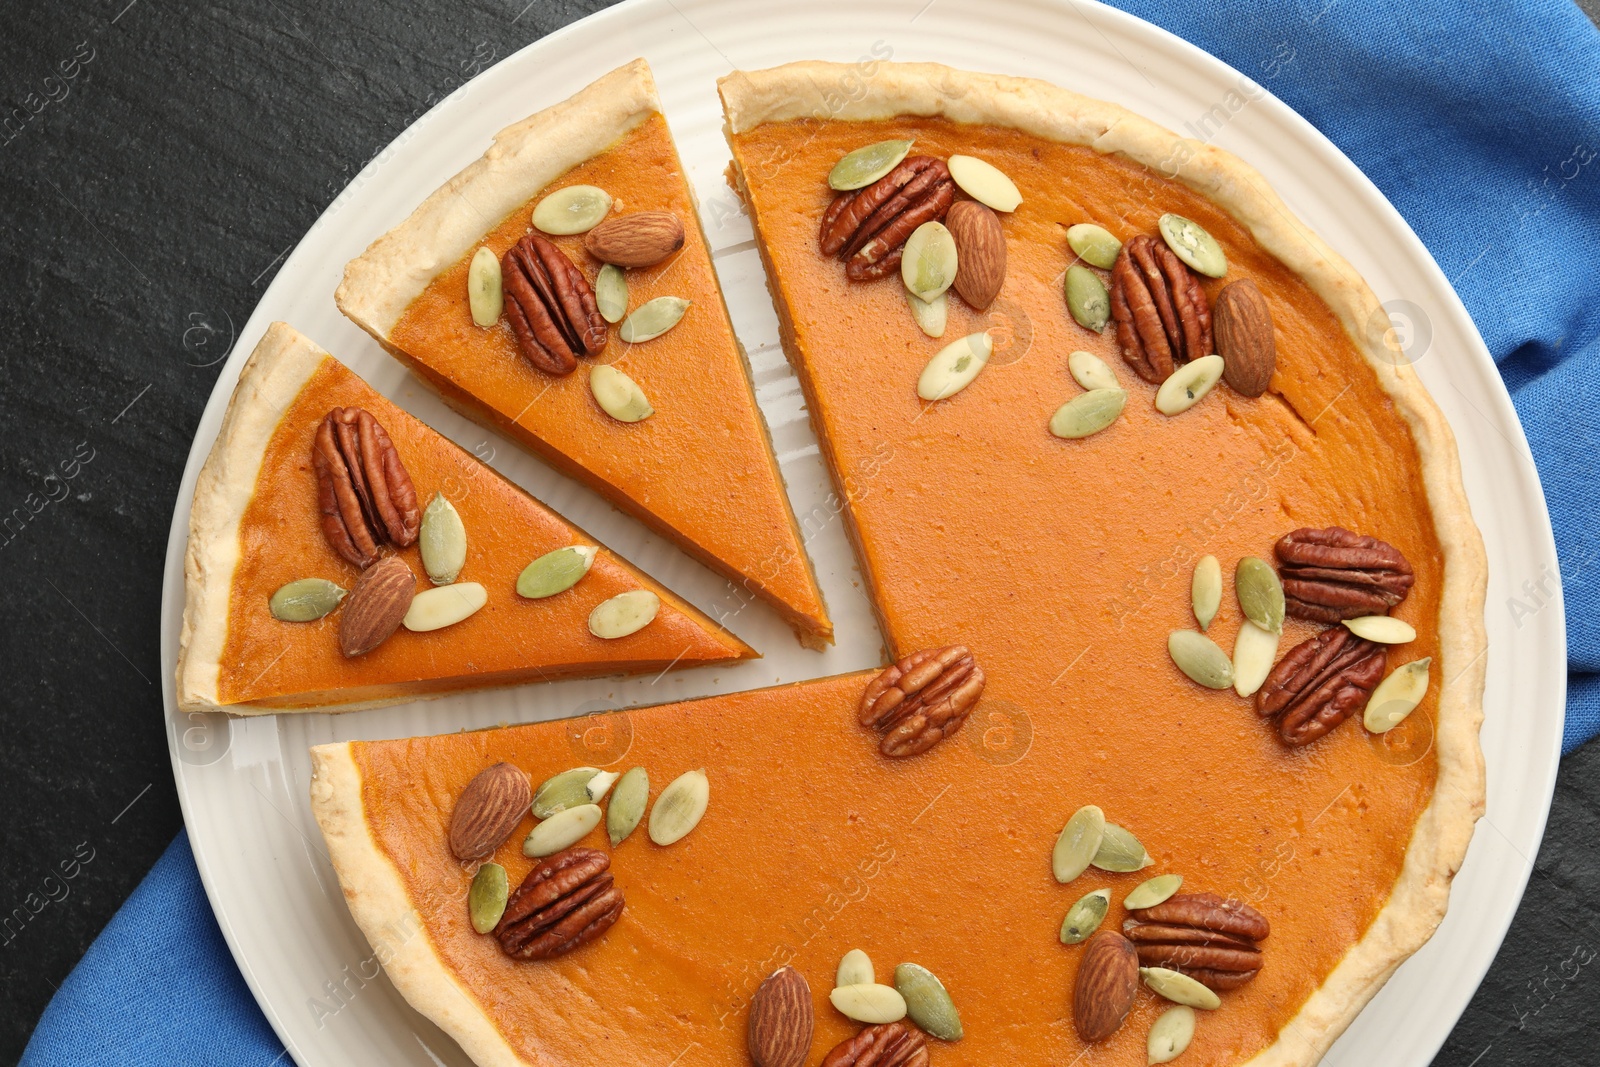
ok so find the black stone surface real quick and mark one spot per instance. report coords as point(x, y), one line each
point(171, 156)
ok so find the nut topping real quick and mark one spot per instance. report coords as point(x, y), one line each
point(1108, 979)
point(642, 239)
point(885, 1045)
point(980, 252)
point(1202, 935)
point(1244, 338)
point(489, 808)
point(377, 606)
point(1319, 684)
point(921, 700)
point(567, 901)
point(1160, 309)
point(781, 1020)
point(550, 306)
point(363, 491)
point(1334, 574)
point(866, 228)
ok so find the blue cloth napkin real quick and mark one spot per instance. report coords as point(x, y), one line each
point(1481, 123)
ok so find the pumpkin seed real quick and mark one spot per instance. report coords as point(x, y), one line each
point(572, 210)
point(1205, 590)
point(1120, 851)
point(871, 1004)
point(486, 900)
point(611, 293)
point(1092, 372)
point(442, 541)
point(855, 968)
point(1149, 893)
point(1170, 1035)
point(867, 164)
point(1188, 385)
point(928, 1003)
point(1384, 629)
point(305, 600)
point(928, 263)
point(985, 183)
point(930, 315)
point(1078, 843)
point(618, 395)
point(1088, 413)
point(1093, 244)
point(1087, 298)
point(679, 807)
point(1199, 657)
point(1260, 593)
point(600, 785)
point(484, 294)
point(624, 614)
point(652, 319)
point(1192, 244)
point(1085, 917)
point(1179, 988)
point(627, 805)
point(561, 830)
point(1254, 649)
point(1397, 696)
point(954, 366)
point(555, 572)
point(561, 791)
point(446, 605)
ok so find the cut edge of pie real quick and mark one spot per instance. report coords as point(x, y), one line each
point(1438, 845)
point(526, 157)
point(271, 381)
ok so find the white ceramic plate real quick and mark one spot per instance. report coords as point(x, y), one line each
point(243, 783)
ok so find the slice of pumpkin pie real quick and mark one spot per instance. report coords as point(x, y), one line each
point(560, 291)
point(342, 554)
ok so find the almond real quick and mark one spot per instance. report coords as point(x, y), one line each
point(488, 810)
point(377, 604)
point(1108, 979)
point(781, 1020)
point(1243, 326)
point(642, 239)
point(980, 252)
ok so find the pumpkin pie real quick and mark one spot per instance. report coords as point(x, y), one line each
point(318, 487)
point(1065, 811)
point(687, 450)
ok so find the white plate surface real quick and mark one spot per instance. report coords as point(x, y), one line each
point(244, 783)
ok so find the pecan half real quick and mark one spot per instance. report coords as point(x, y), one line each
point(1333, 574)
point(1210, 939)
point(1160, 309)
point(885, 1045)
point(922, 700)
point(567, 901)
point(364, 494)
point(868, 227)
point(1320, 683)
point(550, 306)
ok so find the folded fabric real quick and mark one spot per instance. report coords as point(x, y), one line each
point(1480, 122)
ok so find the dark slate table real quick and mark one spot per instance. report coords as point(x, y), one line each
point(146, 201)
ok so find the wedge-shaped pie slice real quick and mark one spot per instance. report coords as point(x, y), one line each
point(289, 494)
point(1056, 531)
point(698, 467)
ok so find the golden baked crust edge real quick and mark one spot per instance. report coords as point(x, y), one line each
point(1417, 902)
point(525, 157)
